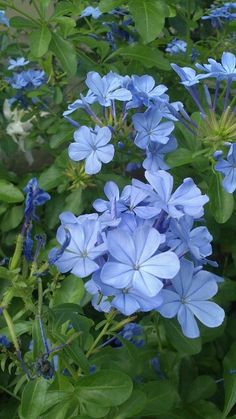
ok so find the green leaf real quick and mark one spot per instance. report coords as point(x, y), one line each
point(51, 178)
point(10, 193)
point(71, 291)
point(105, 388)
point(65, 53)
point(22, 23)
point(202, 410)
point(39, 41)
point(65, 21)
point(148, 56)
point(133, 406)
point(74, 202)
point(161, 396)
point(33, 398)
point(149, 17)
point(221, 202)
point(43, 5)
point(38, 347)
point(179, 157)
point(93, 410)
point(19, 328)
point(202, 387)
point(180, 342)
point(74, 352)
point(54, 397)
point(12, 218)
point(63, 410)
point(108, 5)
point(229, 380)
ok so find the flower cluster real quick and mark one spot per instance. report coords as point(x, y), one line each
point(176, 46)
point(153, 128)
point(27, 79)
point(137, 251)
point(219, 15)
point(144, 248)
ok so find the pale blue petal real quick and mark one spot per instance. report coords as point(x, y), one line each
point(187, 322)
point(84, 267)
point(207, 312)
point(125, 303)
point(146, 284)
point(78, 152)
point(171, 304)
point(116, 274)
point(105, 154)
point(146, 241)
point(165, 265)
point(121, 246)
point(92, 164)
point(182, 282)
point(103, 137)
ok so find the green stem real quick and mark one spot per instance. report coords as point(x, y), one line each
point(122, 323)
point(103, 332)
point(40, 297)
point(17, 254)
point(10, 393)
point(10, 326)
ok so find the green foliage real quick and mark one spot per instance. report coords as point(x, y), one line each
point(149, 17)
point(66, 360)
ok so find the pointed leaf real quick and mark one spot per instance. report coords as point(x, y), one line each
point(65, 53)
point(39, 41)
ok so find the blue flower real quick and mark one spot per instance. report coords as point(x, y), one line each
point(222, 71)
point(18, 62)
point(145, 92)
point(176, 46)
point(79, 256)
point(28, 245)
point(188, 75)
point(4, 341)
point(107, 88)
point(217, 15)
point(3, 19)
point(228, 168)
point(183, 238)
point(150, 128)
point(112, 192)
point(91, 11)
point(155, 153)
point(135, 262)
point(129, 301)
point(55, 254)
point(188, 297)
point(187, 199)
point(82, 103)
point(34, 198)
point(27, 79)
point(133, 333)
point(93, 147)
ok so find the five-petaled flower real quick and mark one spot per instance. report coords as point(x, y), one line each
point(92, 146)
point(188, 297)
